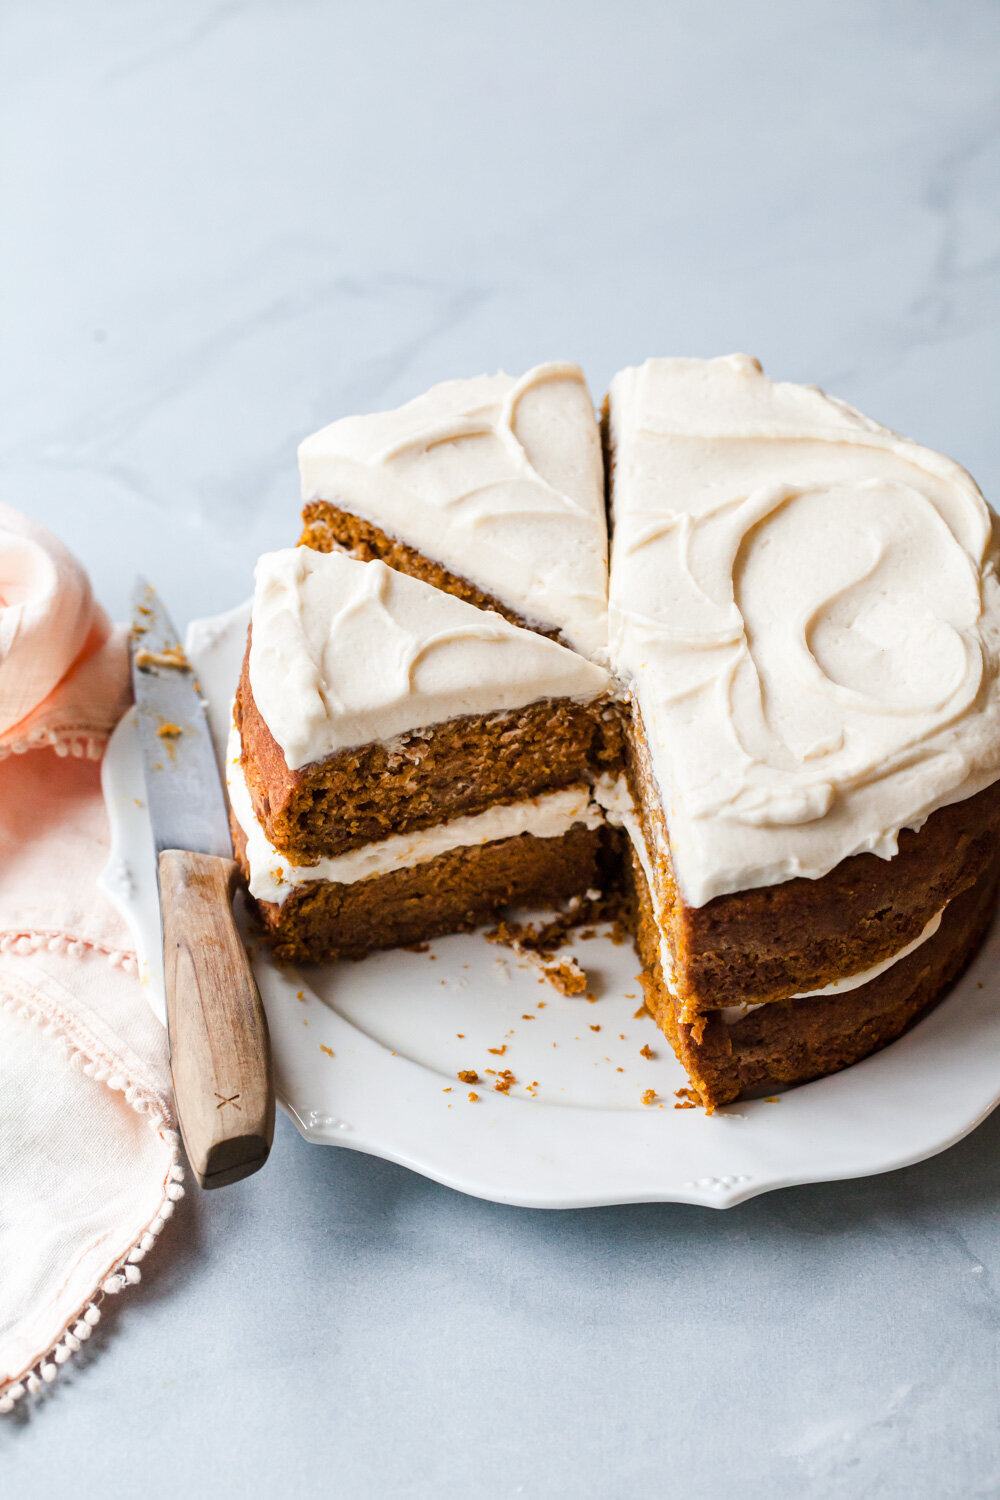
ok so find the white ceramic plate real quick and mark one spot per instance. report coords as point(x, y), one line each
point(367, 1054)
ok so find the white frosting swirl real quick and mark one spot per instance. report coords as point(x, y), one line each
point(499, 479)
point(806, 609)
point(344, 652)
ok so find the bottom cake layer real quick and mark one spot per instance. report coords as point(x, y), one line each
point(323, 920)
point(794, 1041)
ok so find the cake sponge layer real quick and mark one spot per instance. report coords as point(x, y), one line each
point(371, 704)
point(456, 769)
point(454, 892)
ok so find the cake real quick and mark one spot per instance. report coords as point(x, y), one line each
point(804, 616)
point(777, 739)
point(405, 764)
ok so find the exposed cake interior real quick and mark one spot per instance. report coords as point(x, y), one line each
point(431, 764)
point(413, 886)
point(273, 874)
point(372, 704)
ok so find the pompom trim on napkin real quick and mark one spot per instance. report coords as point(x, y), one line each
point(83, 745)
point(53, 940)
point(123, 1271)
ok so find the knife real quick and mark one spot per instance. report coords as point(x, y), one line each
point(219, 1052)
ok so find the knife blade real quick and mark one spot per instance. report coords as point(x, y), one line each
point(219, 1050)
point(187, 807)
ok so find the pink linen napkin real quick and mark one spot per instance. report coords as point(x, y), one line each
point(89, 1167)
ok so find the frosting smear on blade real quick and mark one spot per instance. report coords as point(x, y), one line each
point(496, 478)
point(344, 652)
point(806, 609)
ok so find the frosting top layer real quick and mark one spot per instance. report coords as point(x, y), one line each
point(498, 479)
point(806, 608)
point(343, 652)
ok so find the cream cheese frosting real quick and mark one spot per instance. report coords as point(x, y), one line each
point(273, 877)
point(345, 652)
point(805, 609)
point(613, 795)
point(498, 479)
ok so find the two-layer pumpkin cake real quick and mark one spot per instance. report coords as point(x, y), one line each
point(779, 738)
point(405, 764)
point(412, 756)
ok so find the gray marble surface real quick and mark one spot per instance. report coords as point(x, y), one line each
point(226, 223)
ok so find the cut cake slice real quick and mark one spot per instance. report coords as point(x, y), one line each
point(491, 488)
point(406, 763)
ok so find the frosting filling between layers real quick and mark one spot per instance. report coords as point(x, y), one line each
point(272, 877)
point(733, 1013)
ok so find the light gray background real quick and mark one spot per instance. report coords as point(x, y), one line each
point(228, 223)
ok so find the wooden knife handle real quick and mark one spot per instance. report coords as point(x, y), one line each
point(219, 1051)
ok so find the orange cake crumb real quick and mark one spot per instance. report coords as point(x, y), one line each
point(173, 656)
